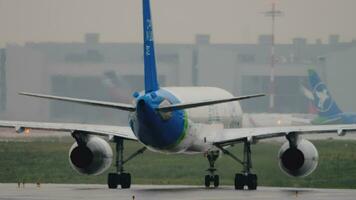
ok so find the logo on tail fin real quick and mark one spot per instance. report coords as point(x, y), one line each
point(322, 98)
point(149, 34)
point(149, 37)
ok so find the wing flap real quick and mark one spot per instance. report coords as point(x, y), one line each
point(233, 136)
point(101, 130)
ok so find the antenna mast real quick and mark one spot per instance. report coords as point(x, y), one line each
point(273, 13)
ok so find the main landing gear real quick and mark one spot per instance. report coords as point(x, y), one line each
point(121, 178)
point(245, 178)
point(212, 177)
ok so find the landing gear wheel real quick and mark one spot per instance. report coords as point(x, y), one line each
point(207, 181)
point(113, 180)
point(125, 180)
point(121, 178)
point(252, 181)
point(211, 178)
point(216, 181)
point(239, 181)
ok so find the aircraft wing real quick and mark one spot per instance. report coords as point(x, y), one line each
point(233, 136)
point(119, 106)
point(93, 129)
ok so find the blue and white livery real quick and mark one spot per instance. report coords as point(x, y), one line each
point(327, 109)
point(186, 120)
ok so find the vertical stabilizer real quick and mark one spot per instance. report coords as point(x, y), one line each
point(322, 100)
point(151, 82)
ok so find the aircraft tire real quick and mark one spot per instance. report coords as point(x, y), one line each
point(113, 180)
point(125, 180)
point(252, 181)
point(239, 181)
point(207, 181)
point(216, 181)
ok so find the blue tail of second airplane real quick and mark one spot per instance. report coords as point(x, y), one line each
point(151, 81)
point(322, 99)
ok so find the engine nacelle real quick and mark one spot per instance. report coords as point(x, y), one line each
point(298, 161)
point(93, 158)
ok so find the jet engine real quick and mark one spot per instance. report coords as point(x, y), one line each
point(299, 159)
point(91, 157)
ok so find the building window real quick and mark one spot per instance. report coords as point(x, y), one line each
point(93, 56)
point(246, 58)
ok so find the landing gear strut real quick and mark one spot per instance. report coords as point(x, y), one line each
point(212, 177)
point(246, 178)
point(120, 177)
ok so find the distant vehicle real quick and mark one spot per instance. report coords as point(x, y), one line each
point(327, 109)
point(185, 120)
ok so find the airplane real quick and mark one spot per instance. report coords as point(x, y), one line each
point(327, 109)
point(180, 120)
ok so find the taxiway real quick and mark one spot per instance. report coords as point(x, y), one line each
point(163, 192)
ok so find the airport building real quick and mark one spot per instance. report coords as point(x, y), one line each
point(78, 70)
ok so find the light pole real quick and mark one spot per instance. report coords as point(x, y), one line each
point(273, 13)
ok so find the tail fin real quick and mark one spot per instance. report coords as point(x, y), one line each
point(322, 100)
point(151, 82)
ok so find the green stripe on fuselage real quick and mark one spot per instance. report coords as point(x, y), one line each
point(182, 135)
point(324, 121)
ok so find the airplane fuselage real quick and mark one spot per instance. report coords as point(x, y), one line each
point(183, 131)
point(342, 118)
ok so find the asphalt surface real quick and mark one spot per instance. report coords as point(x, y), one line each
point(164, 192)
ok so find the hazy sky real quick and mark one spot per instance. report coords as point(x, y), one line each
point(227, 21)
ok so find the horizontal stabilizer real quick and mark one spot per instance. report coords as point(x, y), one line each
point(174, 107)
point(120, 106)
